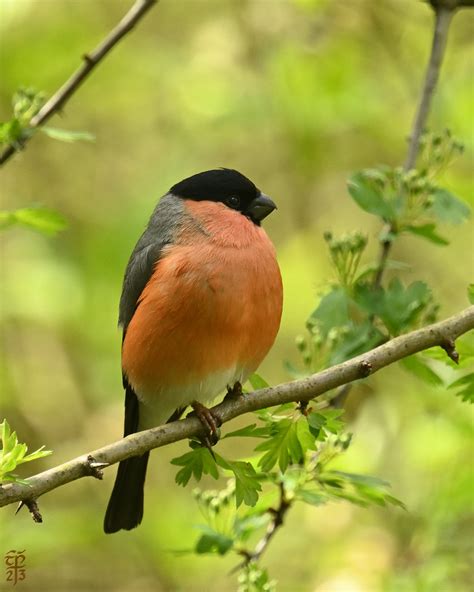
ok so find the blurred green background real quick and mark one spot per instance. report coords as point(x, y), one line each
point(296, 94)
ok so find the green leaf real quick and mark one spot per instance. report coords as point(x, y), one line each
point(250, 431)
point(13, 454)
point(247, 484)
point(41, 219)
point(325, 422)
point(422, 370)
point(195, 463)
point(213, 542)
point(288, 442)
point(398, 306)
point(332, 311)
point(367, 192)
point(67, 135)
point(448, 208)
point(427, 231)
point(470, 293)
point(466, 386)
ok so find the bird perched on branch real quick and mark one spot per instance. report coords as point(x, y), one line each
point(200, 308)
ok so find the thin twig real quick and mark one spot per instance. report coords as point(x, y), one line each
point(444, 10)
point(278, 515)
point(305, 389)
point(443, 16)
point(90, 61)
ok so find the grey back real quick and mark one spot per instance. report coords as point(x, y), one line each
point(161, 230)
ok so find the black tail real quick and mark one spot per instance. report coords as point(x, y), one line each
point(125, 509)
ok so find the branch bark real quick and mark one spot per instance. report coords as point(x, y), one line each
point(441, 334)
point(90, 61)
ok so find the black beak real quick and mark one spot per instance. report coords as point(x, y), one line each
point(260, 208)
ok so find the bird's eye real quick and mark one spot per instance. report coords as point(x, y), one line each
point(233, 201)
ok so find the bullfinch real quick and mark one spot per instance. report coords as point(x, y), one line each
point(200, 308)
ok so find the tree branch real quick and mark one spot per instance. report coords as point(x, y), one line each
point(444, 12)
point(91, 60)
point(438, 334)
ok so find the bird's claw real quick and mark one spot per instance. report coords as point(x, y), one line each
point(210, 421)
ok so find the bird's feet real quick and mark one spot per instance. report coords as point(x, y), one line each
point(210, 421)
point(234, 392)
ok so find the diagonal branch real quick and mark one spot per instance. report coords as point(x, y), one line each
point(441, 334)
point(90, 61)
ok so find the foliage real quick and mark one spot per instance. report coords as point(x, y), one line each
point(41, 219)
point(26, 103)
point(14, 453)
point(304, 86)
point(295, 456)
point(357, 312)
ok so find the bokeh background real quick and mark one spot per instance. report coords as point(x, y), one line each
point(297, 94)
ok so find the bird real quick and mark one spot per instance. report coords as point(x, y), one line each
point(200, 308)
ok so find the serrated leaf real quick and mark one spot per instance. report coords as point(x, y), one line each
point(332, 311)
point(422, 370)
point(67, 135)
point(276, 446)
point(466, 386)
point(288, 442)
point(247, 485)
point(368, 195)
point(195, 463)
point(397, 306)
point(427, 231)
point(448, 208)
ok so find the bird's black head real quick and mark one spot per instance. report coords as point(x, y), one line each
point(229, 187)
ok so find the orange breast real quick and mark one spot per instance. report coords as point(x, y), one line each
point(214, 302)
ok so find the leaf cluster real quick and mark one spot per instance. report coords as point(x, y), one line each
point(14, 453)
point(26, 103)
point(361, 309)
point(293, 458)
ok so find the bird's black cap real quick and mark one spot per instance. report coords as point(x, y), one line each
point(229, 187)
